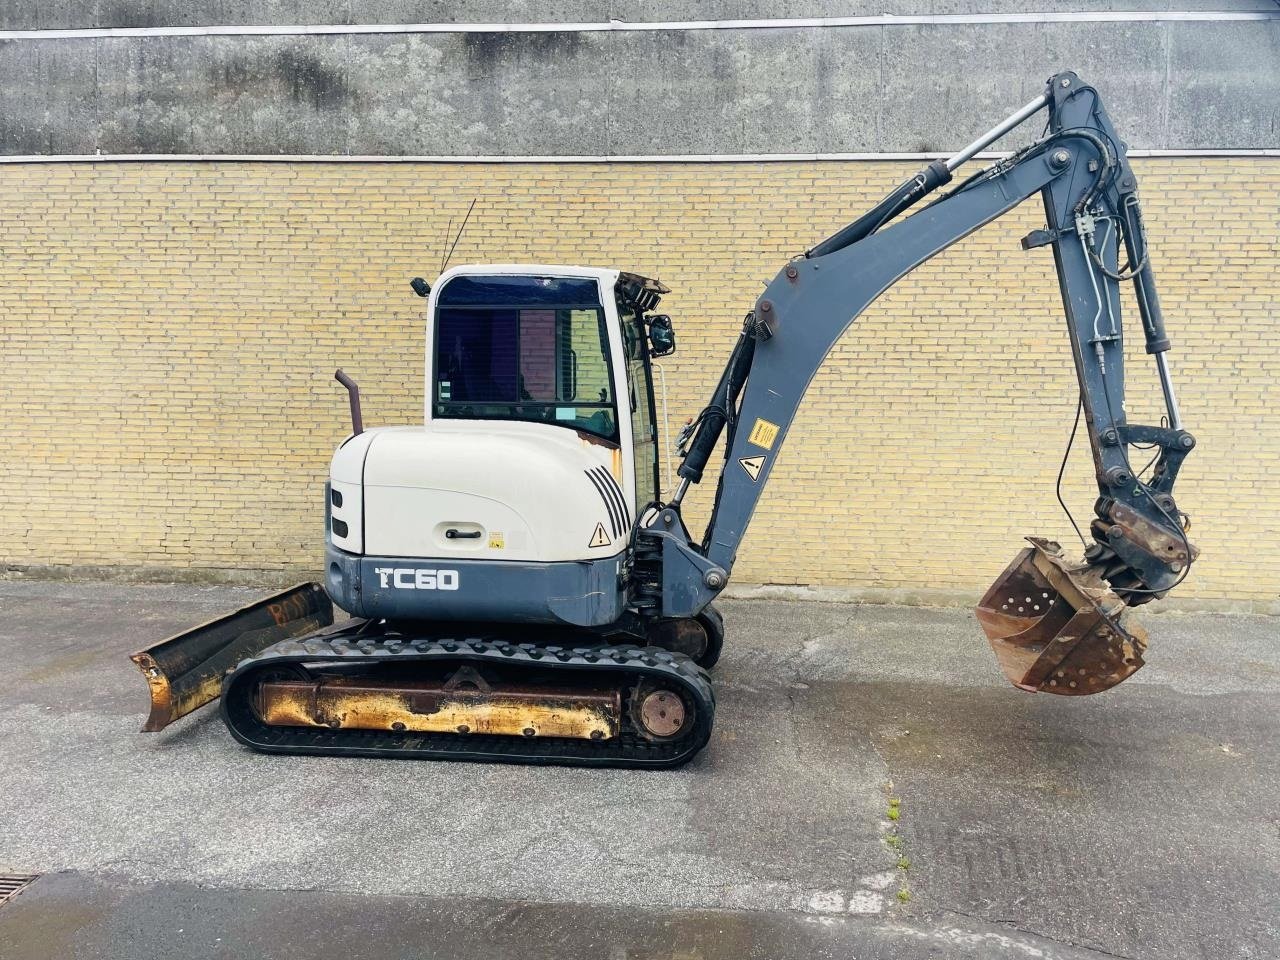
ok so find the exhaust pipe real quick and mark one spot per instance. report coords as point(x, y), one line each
point(1057, 628)
point(353, 396)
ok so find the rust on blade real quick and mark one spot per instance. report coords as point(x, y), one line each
point(356, 703)
point(185, 671)
point(1059, 628)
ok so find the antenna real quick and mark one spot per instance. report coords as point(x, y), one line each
point(459, 236)
point(445, 239)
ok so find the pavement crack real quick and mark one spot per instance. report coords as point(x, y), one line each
point(1039, 935)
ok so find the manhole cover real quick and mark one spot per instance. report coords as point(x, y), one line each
point(11, 884)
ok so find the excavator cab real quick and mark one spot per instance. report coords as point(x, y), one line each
point(564, 346)
point(537, 452)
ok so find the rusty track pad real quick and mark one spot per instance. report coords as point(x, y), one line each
point(1056, 628)
point(356, 703)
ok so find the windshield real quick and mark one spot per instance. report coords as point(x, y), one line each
point(547, 363)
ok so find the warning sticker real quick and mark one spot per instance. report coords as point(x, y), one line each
point(763, 434)
point(753, 466)
point(496, 540)
point(599, 538)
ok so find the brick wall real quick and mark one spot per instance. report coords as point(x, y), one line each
point(169, 331)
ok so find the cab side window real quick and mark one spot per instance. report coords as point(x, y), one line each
point(644, 433)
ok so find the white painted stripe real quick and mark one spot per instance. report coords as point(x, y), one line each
point(624, 26)
point(620, 158)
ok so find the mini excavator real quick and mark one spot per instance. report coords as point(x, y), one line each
point(519, 591)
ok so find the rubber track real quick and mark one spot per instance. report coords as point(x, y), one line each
point(339, 647)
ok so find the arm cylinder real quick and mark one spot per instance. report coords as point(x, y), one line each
point(996, 132)
point(926, 181)
point(902, 197)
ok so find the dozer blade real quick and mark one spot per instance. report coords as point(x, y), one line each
point(185, 672)
point(1056, 628)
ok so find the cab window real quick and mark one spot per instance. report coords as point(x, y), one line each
point(524, 348)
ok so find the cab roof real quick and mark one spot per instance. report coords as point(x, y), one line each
point(635, 287)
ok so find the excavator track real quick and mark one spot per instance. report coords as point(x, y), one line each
point(358, 655)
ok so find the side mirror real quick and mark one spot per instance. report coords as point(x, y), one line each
point(662, 336)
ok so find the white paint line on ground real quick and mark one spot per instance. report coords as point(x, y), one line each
point(866, 902)
point(827, 901)
point(879, 881)
point(956, 937)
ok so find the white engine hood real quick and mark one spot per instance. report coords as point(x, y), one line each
point(494, 490)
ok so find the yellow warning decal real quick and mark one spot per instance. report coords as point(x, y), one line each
point(599, 538)
point(753, 466)
point(496, 540)
point(763, 434)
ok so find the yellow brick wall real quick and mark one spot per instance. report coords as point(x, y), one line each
point(169, 332)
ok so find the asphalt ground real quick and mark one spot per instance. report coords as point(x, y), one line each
point(874, 788)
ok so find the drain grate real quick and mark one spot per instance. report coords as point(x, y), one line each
point(11, 884)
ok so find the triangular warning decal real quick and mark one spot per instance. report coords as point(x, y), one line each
point(753, 466)
point(599, 538)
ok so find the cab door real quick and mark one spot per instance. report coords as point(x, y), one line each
point(644, 427)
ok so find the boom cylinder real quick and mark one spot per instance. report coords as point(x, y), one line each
point(715, 415)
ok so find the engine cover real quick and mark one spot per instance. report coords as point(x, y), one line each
point(474, 490)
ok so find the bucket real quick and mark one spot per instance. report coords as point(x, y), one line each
point(1057, 628)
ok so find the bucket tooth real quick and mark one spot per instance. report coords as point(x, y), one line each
point(1056, 628)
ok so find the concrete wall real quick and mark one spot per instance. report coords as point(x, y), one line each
point(170, 332)
point(886, 87)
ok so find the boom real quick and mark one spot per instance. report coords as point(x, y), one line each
point(1079, 167)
